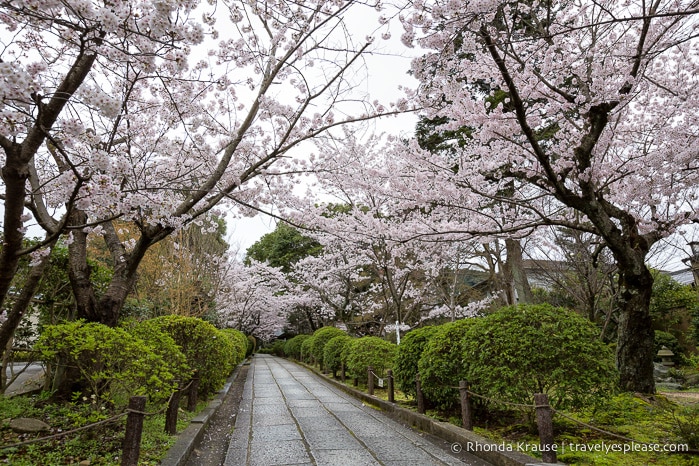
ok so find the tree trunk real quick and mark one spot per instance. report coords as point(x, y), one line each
point(635, 346)
point(21, 304)
point(515, 275)
point(14, 174)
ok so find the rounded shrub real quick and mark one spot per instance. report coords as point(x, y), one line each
point(408, 357)
point(320, 339)
point(240, 341)
point(164, 345)
point(206, 349)
point(332, 352)
point(307, 350)
point(521, 350)
point(440, 364)
point(369, 351)
point(292, 347)
point(112, 364)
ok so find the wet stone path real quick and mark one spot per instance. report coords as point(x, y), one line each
point(289, 416)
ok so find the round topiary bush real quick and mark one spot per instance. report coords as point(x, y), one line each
point(332, 352)
point(440, 364)
point(111, 364)
point(369, 351)
point(408, 357)
point(522, 350)
point(307, 350)
point(320, 339)
point(240, 341)
point(292, 347)
point(206, 349)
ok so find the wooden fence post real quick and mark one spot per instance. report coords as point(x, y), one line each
point(171, 413)
point(131, 448)
point(419, 396)
point(193, 396)
point(466, 417)
point(343, 375)
point(544, 422)
point(370, 380)
point(391, 395)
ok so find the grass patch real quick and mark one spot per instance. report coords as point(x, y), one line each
point(101, 445)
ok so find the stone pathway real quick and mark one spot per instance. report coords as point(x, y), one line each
point(289, 416)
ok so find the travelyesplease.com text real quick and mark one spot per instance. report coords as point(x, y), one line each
point(562, 448)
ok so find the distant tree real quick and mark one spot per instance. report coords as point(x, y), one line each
point(282, 248)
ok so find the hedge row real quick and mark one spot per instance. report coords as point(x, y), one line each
point(509, 355)
point(152, 358)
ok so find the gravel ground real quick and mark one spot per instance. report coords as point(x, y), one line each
point(211, 451)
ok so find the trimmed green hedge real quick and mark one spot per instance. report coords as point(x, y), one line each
point(113, 364)
point(332, 352)
point(292, 347)
point(522, 350)
point(369, 351)
point(441, 365)
point(320, 339)
point(206, 348)
point(408, 357)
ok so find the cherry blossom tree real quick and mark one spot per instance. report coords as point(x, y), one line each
point(581, 114)
point(119, 111)
point(255, 299)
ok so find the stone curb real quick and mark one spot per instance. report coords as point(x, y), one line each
point(178, 454)
point(444, 430)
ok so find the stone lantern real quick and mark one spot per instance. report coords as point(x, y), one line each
point(666, 355)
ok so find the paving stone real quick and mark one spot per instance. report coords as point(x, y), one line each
point(278, 452)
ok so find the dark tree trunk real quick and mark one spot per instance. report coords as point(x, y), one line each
point(21, 304)
point(14, 174)
point(635, 346)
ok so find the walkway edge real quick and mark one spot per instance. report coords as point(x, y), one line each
point(444, 430)
point(179, 453)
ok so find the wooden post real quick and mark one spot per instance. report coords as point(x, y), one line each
point(391, 395)
point(343, 375)
point(171, 414)
point(466, 417)
point(131, 448)
point(544, 422)
point(356, 381)
point(370, 380)
point(418, 393)
point(193, 395)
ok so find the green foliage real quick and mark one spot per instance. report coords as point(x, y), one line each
point(276, 348)
point(307, 350)
point(668, 340)
point(685, 425)
point(163, 345)
point(522, 350)
point(332, 352)
point(292, 347)
point(206, 349)
point(441, 365)
point(282, 248)
point(100, 445)
point(320, 339)
point(240, 341)
point(112, 364)
point(408, 357)
point(251, 345)
point(369, 351)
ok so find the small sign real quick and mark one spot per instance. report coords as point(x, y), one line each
point(380, 383)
